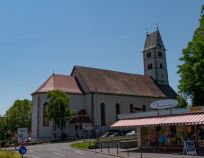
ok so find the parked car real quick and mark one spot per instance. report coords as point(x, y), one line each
point(131, 133)
point(107, 134)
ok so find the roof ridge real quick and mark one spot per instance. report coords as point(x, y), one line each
point(111, 71)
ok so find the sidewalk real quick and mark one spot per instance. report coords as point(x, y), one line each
point(134, 153)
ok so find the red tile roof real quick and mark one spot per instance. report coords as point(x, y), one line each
point(113, 82)
point(64, 83)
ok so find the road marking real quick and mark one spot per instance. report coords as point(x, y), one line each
point(55, 149)
point(79, 152)
point(59, 154)
point(33, 156)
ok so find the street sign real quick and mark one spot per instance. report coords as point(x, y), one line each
point(22, 134)
point(189, 147)
point(97, 127)
point(22, 150)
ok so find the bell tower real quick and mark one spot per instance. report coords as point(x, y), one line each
point(154, 56)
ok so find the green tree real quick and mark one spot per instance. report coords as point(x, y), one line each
point(3, 128)
point(19, 115)
point(191, 70)
point(58, 108)
point(182, 103)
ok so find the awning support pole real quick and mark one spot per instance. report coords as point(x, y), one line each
point(196, 137)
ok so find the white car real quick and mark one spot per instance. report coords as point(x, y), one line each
point(131, 133)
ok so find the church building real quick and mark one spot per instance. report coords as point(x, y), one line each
point(99, 95)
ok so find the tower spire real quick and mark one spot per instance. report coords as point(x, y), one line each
point(154, 56)
point(157, 25)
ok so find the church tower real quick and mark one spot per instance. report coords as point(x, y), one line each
point(154, 56)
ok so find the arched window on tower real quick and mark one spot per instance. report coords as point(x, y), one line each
point(161, 66)
point(103, 115)
point(45, 116)
point(149, 66)
point(117, 107)
point(149, 55)
point(159, 54)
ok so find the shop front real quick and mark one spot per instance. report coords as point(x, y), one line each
point(174, 136)
point(171, 127)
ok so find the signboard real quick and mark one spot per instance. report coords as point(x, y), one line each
point(164, 104)
point(22, 134)
point(189, 147)
point(196, 109)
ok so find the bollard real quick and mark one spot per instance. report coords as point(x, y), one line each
point(108, 147)
point(117, 147)
point(141, 151)
point(101, 146)
point(95, 146)
point(127, 151)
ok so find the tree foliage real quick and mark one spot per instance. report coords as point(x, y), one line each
point(3, 128)
point(182, 103)
point(19, 115)
point(58, 107)
point(191, 71)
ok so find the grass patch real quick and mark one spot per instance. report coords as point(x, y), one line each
point(9, 154)
point(82, 145)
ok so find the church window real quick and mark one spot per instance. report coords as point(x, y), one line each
point(103, 119)
point(161, 66)
point(149, 66)
point(143, 107)
point(45, 115)
point(149, 55)
point(117, 110)
point(159, 54)
point(131, 108)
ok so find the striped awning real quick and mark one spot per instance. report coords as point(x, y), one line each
point(184, 119)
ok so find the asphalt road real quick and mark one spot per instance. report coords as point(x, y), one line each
point(60, 150)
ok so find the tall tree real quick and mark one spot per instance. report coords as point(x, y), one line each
point(3, 128)
point(191, 71)
point(19, 115)
point(58, 108)
point(182, 103)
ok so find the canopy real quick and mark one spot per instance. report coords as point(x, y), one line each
point(183, 119)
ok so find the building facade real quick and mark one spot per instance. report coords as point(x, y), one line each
point(101, 95)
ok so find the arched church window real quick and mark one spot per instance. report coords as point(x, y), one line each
point(143, 107)
point(131, 108)
point(45, 116)
point(117, 110)
point(103, 118)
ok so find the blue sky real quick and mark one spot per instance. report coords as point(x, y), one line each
point(38, 37)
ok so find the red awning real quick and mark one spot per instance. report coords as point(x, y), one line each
point(187, 119)
point(184, 119)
